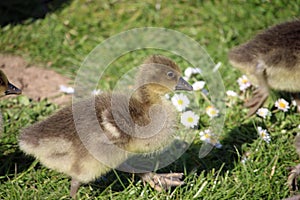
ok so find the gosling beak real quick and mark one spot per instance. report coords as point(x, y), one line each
point(11, 89)
point(183, 85)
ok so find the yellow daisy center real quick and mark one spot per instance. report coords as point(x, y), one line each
point(263, 113)
point(281, 104)
point(190, 119)
point(244, 81)
point(180, 102)
point(213, 112)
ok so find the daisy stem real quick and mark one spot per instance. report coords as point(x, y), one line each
point(205, 98)
point(197, 100)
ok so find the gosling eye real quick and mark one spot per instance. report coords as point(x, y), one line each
point(170, 74)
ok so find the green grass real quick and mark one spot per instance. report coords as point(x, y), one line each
point(62, 40)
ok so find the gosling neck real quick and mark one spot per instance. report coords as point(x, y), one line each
point(147, 96)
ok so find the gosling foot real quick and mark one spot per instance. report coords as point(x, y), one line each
point(259, 97)
point(292, 178)
point(162, 181)
point(296, 197)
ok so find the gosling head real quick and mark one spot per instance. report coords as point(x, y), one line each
point(161, 75)
point(6, 88)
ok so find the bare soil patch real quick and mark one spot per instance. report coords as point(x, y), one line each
point(36, 82)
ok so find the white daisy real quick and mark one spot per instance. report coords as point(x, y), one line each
point(212, 112)
point(206, 135)
point(198, 85)
point(282, 104)
point(189, 119)
point(188, 72)
point(263, 112)
point(244, 83)
point(180, 101)
point(294, 102)
point(186, 78)
point(167, 96)
point(96, 92)
point(197, 70)
point(283, 131)
point(218, 145)
point(214, 141)
point(65, 89)
point(231, 93)
point(264, 134)
point(217, 66)
point(244, 159)
point(205, 91)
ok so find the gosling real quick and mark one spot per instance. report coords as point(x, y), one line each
point(272, 61)
point(58, 145)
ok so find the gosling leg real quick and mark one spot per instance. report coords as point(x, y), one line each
point(292, 178)
point(296, 97)
point(260, 94)
point(162, 181)
point(74, 187)
point(294, 171)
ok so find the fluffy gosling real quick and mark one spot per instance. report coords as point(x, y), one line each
point(272, 61)
point(57, 144)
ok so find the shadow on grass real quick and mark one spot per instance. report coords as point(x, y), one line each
point(13, 163)
point(228, 155)
point(17, 11)
point(224, 158)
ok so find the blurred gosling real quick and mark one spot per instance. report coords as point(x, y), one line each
point(272, 61)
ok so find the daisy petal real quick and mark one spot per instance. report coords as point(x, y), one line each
point(198, 85)
point(231, 93)
point(65, 89)
point(188, 72)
